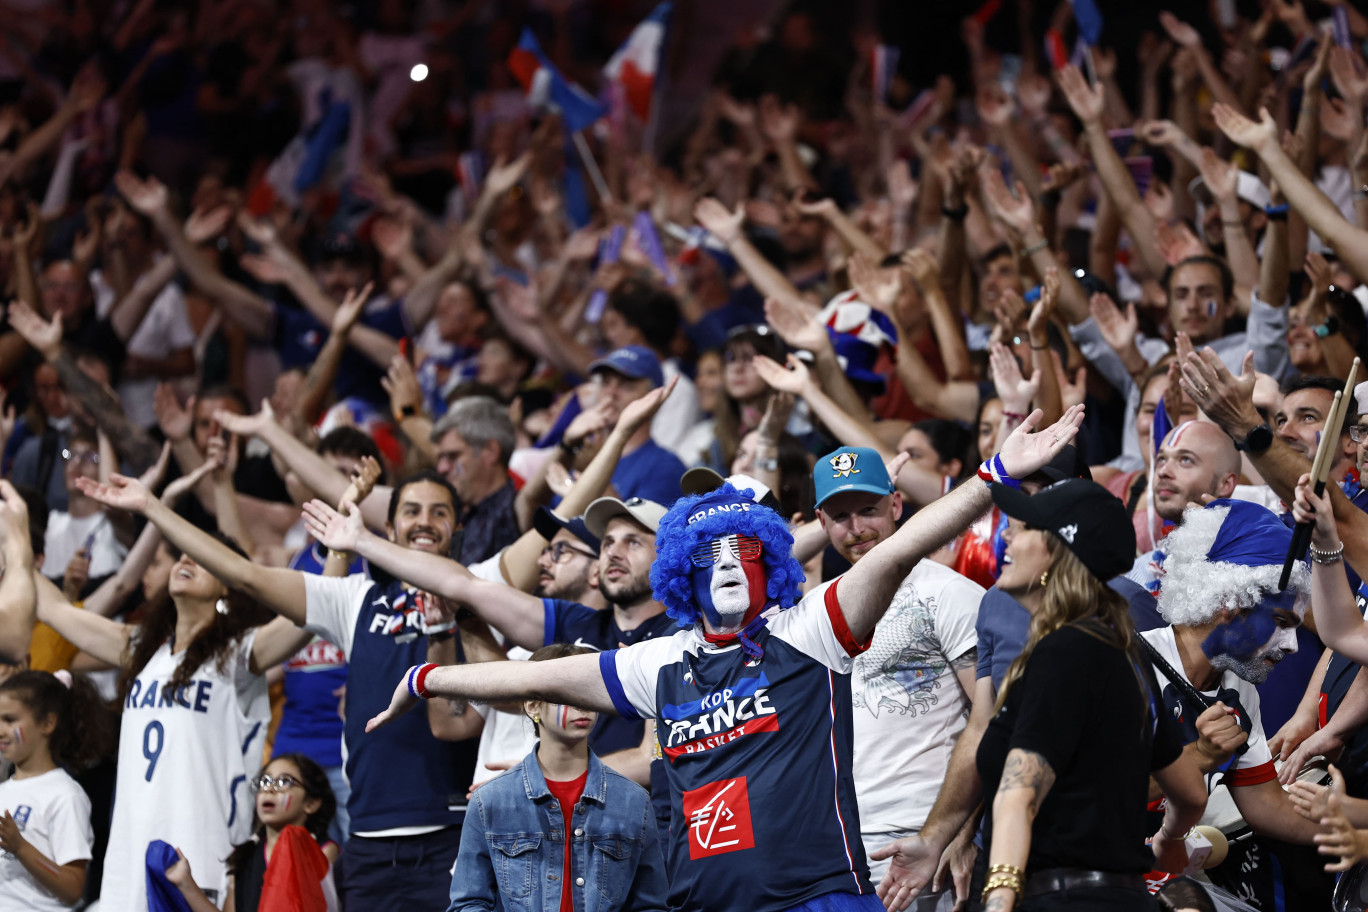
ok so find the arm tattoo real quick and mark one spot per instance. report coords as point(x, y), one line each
point(968, 660)
point(1027, 770)
point(132, 442)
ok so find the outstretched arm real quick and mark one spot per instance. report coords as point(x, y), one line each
point(573, 680)
point(867, 589)
point(517, 615)
point(17, 597)
point(281, 590)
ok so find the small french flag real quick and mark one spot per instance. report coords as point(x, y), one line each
point(883, 66)
point(637, 62)
point(547, 88)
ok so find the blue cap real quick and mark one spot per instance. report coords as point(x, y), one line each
point(548, 523)
point(850, 469)
point(634, 361)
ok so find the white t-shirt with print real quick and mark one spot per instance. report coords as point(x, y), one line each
point(909, 705)
point(53, 814)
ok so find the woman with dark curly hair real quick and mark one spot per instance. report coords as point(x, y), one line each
point(195, 714)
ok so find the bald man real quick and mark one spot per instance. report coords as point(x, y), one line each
point(1196, 458)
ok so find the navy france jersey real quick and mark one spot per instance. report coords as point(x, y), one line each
point(571, 622)
point(758, 754)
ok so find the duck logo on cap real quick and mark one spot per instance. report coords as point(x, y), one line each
point(844, 464)
point(1068, 532)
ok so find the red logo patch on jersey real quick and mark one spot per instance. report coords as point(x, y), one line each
point(719, 818)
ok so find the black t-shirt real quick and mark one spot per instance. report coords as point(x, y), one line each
point(1079, 705)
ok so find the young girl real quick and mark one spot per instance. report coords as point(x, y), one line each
point(579, 807)
point(45, 832)
point(291, 791)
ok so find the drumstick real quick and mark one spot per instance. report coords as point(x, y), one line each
point(1320, 468)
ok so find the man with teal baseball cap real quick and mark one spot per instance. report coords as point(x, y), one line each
point(908, 707)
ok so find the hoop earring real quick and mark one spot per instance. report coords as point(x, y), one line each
point(221, 606)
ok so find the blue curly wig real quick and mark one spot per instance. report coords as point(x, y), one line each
point(704, 517)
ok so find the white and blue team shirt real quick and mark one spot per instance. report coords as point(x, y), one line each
point(758, 755)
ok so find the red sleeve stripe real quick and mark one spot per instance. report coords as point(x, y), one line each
point(1254, 775)
point(839, 626)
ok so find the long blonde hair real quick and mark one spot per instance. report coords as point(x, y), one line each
point(1075, 596)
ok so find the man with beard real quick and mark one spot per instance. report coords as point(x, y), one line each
point(911, 690)
point(407, 786)
point(1230, 627)
point(627, 530)
point(1195, 459)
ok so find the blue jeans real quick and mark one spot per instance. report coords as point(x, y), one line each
point(841, 902)
point(341, 825)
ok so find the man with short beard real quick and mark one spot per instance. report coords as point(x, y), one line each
point(1230, 627)
point(911, 689)
point(1196, 458)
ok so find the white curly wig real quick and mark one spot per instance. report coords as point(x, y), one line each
point(1195, 587)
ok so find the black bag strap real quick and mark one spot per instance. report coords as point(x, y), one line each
point(1177, 678)
point(1137, 489)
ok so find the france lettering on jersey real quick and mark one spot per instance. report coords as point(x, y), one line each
point(185, 756)
point(758, 755)
point(401, 775)
point(309, 724)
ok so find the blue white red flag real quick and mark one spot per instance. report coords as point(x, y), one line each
point(547, 89)
point(637, 63)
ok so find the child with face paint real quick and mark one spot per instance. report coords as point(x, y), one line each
point(597, 849)
point(294, 808)
point(45, 831)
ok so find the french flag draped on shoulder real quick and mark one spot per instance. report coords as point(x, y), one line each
point(637, 62)
point(547, 88)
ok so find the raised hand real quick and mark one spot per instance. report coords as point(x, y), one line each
point(1226, 399)
point(179, 487)
point(1245, 132)
point(1118, 329)
point(14, 520)
point(400, 703)
point(1221, 176)
point(822, 208)
point(122, 492)
point(994, 106)
point(1160, 132)
point(401, 383)
point(44, 336)
point(1182, 34)
point(794, 379)
point(1072, 391)
point(1320, 65)
point(1087, 101)
point(333, 529)
point(175, 422)
point(260, 231)
point(877, 287)
point(350, 310)
point(147, 196)
point(778, 122)
point(203, 226)
point(796, 328)
point(638, 412)
point(1349, 74)
point(247, 425)
point(505, 175)
point(1015, 391)
point(1039, 320)
point(1016, 212)
point(1026, 450)
point(1176, 242)
point(1308, 507)
point(363, 479)
point(152, 478)
point(723, 224)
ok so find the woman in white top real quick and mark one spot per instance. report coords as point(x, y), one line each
point(195, 714)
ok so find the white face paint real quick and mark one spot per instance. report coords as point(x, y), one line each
point(1285, 638)
point(729, 587)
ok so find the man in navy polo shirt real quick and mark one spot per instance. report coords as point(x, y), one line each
point(646, 469)
point(752, 696)
point(627, 531)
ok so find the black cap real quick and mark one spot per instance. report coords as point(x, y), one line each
point(548, 523)
point(1089, 519)
point(1067, 463)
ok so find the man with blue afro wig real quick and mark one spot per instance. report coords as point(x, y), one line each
point(684, 587)
point(752, 696)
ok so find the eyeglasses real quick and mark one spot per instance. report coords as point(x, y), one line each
point(268, 784)
point(562, 550)
point(745, 547)
point(89, 457)
point(1358, 433)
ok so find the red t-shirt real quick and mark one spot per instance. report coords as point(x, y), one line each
point(568, 794)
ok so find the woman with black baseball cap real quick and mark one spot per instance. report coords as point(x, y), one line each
point(1079, 729)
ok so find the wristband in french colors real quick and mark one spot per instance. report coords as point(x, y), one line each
point(992, 470)
point(417, 675)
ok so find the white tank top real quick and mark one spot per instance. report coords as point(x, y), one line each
point(184, 761)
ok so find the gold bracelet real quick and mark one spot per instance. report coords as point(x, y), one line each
point(1010, 870)
point(999, 882)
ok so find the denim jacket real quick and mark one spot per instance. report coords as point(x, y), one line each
point(513, 846)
